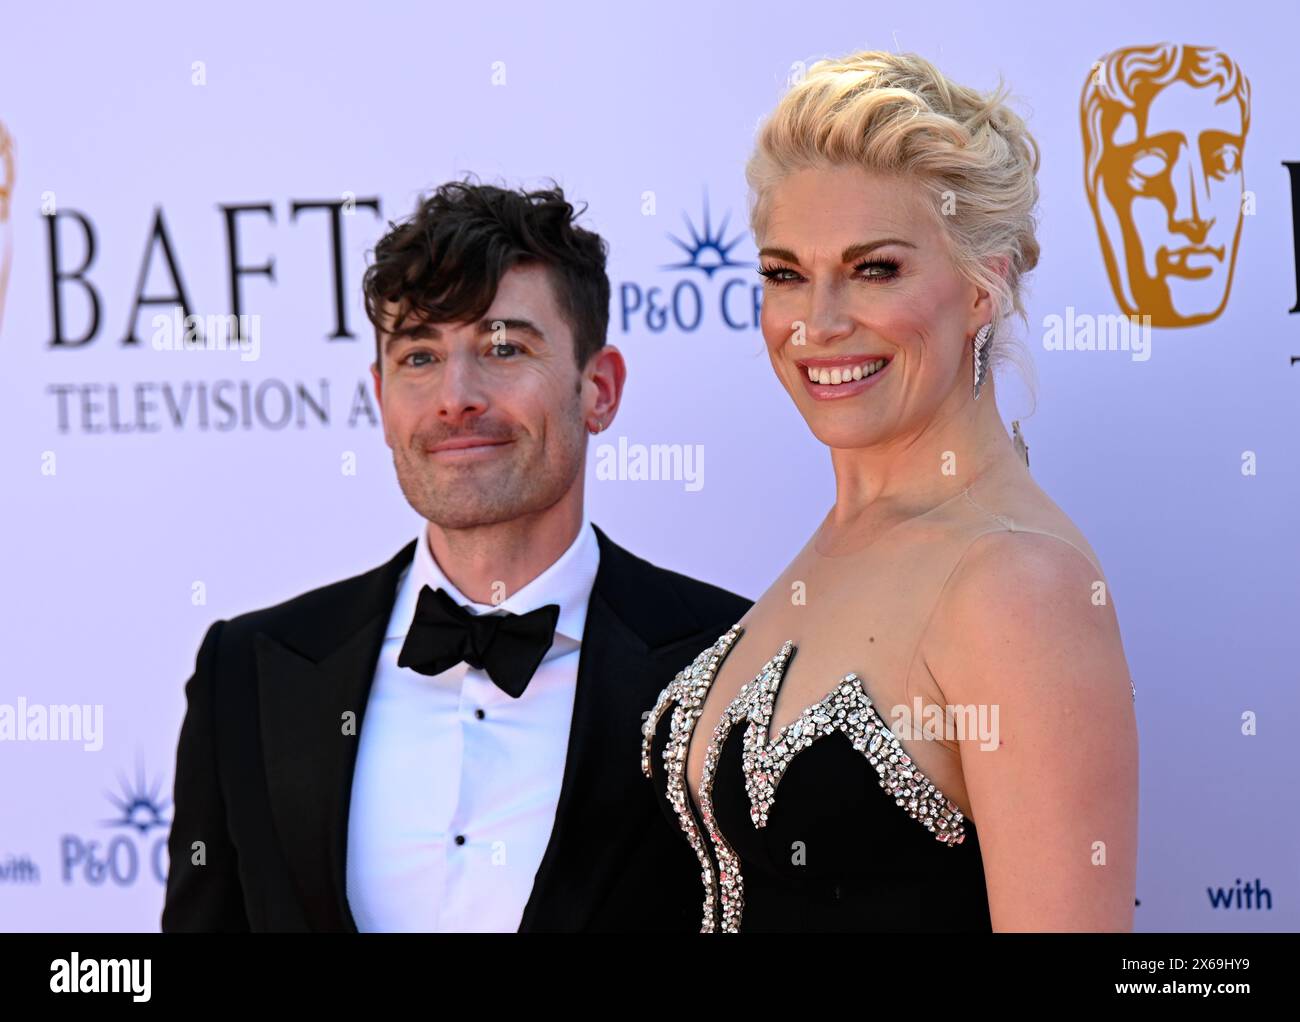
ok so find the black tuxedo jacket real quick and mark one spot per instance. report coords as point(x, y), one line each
point(264, 769)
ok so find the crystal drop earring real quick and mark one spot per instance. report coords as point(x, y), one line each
point(980, 348)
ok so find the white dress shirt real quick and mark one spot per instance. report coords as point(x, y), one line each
point(456, 782)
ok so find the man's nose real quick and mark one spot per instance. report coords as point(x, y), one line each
point(461, 389)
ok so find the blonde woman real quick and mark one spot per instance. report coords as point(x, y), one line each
point(926, 723)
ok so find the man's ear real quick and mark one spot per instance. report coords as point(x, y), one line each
point(378, 380)
point(608, 374)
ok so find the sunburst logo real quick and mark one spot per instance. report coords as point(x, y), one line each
point(123, 858)
point(708, 250)
point(683, 303)
point(140, 804)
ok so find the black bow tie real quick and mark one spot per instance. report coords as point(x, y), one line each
point(509, 647)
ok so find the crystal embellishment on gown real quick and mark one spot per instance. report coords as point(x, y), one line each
point(847, 708)
point(685, 693)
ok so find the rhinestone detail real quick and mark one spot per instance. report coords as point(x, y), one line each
point(847, 708)
point(685, 693)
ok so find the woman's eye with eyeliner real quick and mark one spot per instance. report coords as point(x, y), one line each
point(773, 274)
point(871, 269)
point(887, 267)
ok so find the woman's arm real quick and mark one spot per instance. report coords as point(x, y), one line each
point(1021, 630)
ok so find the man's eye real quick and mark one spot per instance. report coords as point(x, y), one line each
point(410, 359)
point(511, 348)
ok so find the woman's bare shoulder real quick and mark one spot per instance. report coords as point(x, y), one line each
point(1027, 589)
point(1008, 517)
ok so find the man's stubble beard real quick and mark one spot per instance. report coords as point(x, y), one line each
point(499, 490)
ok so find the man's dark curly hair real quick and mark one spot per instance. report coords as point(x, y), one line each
point(445, 262)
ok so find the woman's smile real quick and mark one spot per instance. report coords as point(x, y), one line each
point(840, 376)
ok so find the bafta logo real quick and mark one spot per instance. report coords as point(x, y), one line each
point(6, 208)
point(1163, 132)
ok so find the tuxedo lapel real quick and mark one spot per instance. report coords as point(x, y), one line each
point(314, 683)
point(561, 897)
point(634, 628)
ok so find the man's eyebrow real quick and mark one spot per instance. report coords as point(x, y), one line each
point(407, 337)
point(848, 255)
point(491, 325)
point(487, 325)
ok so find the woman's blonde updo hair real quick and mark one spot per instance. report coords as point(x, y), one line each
point(898, 114)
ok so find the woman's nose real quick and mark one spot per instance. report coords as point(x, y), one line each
point(827, 314)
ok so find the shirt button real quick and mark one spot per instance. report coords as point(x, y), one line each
point(460, 839)
point(479, 714)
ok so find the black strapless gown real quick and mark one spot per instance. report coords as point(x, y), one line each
point(828, 828)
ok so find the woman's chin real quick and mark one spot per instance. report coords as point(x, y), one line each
point(846, 438)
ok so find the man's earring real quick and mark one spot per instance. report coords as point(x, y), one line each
point(597, 428)
point(980, 349)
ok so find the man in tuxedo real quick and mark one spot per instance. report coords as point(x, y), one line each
point(451, 741)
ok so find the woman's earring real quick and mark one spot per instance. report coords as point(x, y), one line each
point(981, 348)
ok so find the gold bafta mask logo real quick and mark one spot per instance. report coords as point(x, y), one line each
point(6, 207)
point(1163, 132)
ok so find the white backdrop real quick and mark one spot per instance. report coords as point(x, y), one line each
point(122, 543)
